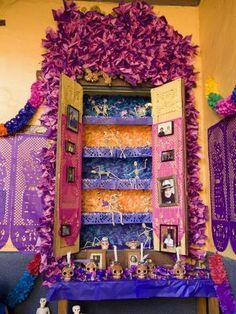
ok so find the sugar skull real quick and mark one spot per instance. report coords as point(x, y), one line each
point(179, 271)
point(67, 272)
point(151, 269)
point(141, 270)
point(117, 270)
point(90, 267)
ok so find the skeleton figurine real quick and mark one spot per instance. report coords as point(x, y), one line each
point(43, 309)
point(137, 170)
point(76, 309)
point(101, 173)
point(114, 207)
point(101, 110)
point(104, 243)
point(95, 242)
point(147, 231)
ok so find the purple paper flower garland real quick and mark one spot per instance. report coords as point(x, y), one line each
point(137, 46)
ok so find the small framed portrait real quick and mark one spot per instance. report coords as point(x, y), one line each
point(72, 119)
point(167, 192)
point(168, 155)
point(132, 257)
point(99, 258)
point(70, 174)
point(65, 230)
point(70, 147)
point(165, 128)
point(168, 238)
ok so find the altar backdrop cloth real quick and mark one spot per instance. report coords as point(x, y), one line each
point(20, 205)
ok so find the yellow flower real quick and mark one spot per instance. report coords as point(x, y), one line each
point(211, 86)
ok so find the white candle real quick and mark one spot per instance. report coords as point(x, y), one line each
point(68, 256)
point(177, 253)
point(115, 253)
point(141, 251)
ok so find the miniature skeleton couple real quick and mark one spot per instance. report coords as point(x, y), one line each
point(43, 309)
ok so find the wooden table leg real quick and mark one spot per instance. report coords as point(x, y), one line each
point(213, 306)
point(62, 307)
point(202, 306)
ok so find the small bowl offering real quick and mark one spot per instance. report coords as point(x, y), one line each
point(133, 244)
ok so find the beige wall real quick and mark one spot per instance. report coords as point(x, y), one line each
point(218, 54)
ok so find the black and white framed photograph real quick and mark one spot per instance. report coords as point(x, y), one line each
point(99, 258)
point(168, 238)
point(70, 147)
point(132, 257)
point(168, 155)
point(165, 128)
point(167, 191)
point(65, 230)
point(72, 118)
point(70, 174)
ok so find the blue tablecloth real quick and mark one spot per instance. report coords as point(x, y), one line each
point(131, 289)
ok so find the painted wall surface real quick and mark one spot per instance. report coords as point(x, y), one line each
point(217, 50)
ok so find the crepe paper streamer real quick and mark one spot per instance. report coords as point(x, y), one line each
point(17, 123)
point(25, 284)
point(223, 106)
point(222, 285)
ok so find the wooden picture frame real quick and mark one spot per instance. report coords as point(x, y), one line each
point(168, 155)
point(132, 257)
point(168, 238)
point(72, 119)
point(167, 191)
point(65, 230)
point(165, 128)
point(70, 174)
point(99, 257)
point(70, 147)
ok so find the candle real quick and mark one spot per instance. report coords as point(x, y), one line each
point(141, 251)
point(115, 253)
point(177, 253)
point(68, 256)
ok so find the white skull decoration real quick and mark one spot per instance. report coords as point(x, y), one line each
point(67, 272)
point(117, 270)
point(76, 309)
point(43, 302)
point(141, 270)
point(104, 243)
point(90, 267)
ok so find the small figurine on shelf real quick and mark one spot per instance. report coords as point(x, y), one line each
point(113, 207)
point(94, 243)
point(147, 233)
point(104, 172)
point(91, 268)
point(141, 111)
point(132, 244)
point(137, 170)
point(76, 309)
point(43, 309)
point(104, 243)
point(116, 268)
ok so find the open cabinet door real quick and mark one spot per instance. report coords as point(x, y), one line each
point(169, 168)
point(67, 217)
